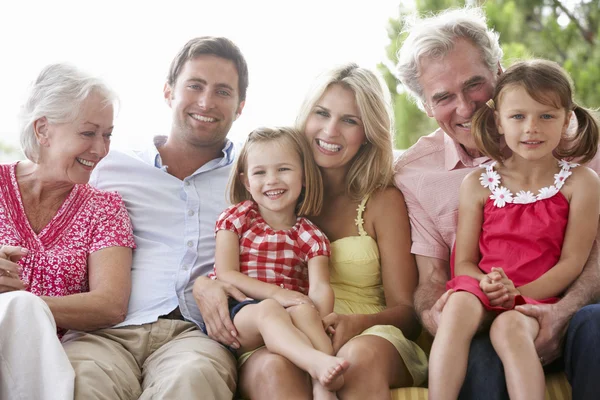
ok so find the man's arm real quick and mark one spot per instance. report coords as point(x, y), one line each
point(431, 294)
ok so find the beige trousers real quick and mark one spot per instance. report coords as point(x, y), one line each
point(33, 364)
point(167, 359)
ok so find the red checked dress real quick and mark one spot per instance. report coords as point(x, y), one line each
point(523, 234)
point(274, 256)
point(89, 220)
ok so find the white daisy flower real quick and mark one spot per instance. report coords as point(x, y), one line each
point(567, 165)
point(489, 179)
point(561, 177)
point(524, 197)
point(547, 192)
point(501, 196)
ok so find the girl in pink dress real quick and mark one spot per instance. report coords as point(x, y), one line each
point(525, 229)
point(269, 251)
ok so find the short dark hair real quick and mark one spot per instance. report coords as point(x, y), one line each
point(211, 45)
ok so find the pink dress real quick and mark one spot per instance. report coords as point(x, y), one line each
point(523, 234)
point(89, 220)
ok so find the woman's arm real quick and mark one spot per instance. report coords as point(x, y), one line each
point(105, 305)
point(470, 219)
point(227, 266)
point(582, 228)
point(320, 291)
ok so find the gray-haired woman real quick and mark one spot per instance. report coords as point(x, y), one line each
point(61, 240)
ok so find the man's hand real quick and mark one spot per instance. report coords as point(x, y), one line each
point(211, 298)
point(553, 326)
point(289, 298)
point(9, 269)
point(431, 318)
point(342, 328)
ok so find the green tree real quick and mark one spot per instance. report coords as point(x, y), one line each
point(563, 31)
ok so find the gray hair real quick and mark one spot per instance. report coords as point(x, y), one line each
point(58, 94)
point(435, 36)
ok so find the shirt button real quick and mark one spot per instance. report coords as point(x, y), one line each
point(186, 267)
point(187, 183)
point(190, 243)
point(190, 212)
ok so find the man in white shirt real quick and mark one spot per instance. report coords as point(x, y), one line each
point(174, 192)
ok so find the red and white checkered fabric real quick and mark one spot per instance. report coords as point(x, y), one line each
point(279, 257)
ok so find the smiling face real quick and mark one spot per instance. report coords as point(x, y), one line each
point(334, 128)
point(274, 178)
point(532, 130)
point(205, 101)
point(70, 151)
point(454, 87)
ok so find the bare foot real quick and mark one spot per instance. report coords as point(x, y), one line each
point(320, 393)
point(328, 369)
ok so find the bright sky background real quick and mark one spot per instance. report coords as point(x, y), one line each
point(131, 44)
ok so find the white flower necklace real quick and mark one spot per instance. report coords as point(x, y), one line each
point(491, 179)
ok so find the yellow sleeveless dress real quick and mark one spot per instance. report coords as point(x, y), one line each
point(356, 281)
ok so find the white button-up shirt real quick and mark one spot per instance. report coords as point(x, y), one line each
point(173, 227)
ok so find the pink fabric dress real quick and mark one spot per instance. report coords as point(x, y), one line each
point(523, 234)
point(89, 220)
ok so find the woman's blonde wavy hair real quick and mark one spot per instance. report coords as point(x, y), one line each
point(372, 166)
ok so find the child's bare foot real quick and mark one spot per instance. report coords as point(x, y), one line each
point(328, 369)
point(320, 393)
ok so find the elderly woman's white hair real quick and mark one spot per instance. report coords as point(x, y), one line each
point(58, 94)
point(435, 36)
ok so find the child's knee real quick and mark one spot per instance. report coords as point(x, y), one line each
point(508, 327)
point(463, 303)
point(304, 312)
point(269, 308)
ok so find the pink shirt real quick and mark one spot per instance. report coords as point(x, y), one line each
point(429, 175)
point(89, 220)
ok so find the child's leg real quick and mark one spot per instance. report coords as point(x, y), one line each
point(308, 320)
point(269, 320)
point(512, 335)
point(460, 319)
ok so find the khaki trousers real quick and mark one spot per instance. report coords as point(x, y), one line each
point(167, 359)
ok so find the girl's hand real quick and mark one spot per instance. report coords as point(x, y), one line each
point(504, 297)
point(288, 298)
point(342, 328)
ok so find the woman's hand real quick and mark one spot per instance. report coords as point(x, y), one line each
point(342, 328)
point(289, 298)
point(9, 269)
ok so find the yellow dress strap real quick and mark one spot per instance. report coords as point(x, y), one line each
point(359, 219)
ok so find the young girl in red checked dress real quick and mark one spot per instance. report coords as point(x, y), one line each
point(266, 249)
point(525, 229)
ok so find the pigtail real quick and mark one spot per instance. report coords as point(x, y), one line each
point(584, 143)
point(485, 132)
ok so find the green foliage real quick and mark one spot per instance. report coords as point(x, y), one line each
point(564, 31)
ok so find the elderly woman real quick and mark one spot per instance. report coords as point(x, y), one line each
point(62, 240)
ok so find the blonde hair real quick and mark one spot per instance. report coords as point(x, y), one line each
point(372, 166)
point(547, 83)
point(310, 201)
